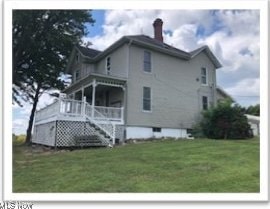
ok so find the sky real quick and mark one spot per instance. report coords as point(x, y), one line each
point(232, 35)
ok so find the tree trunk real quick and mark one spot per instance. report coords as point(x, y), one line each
point(31, 119)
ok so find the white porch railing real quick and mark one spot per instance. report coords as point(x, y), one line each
point(76, 108)
point(111, 113)
point(102, 117)
point(71, 108)
point(47, 112)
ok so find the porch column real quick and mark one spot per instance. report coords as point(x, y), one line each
point(124, 105)
point(82, 93)
point(93, 97)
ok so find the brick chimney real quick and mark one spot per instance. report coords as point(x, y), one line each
point(158, 29)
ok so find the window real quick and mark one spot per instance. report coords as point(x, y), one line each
point(108, 65)
point(155, 129)
point(204, 76)
point(77, 57)
point(147, 62)
point(77, 75)
point(146, 98)
point(205, 103)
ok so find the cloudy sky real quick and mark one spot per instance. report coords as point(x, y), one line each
point(232, 35)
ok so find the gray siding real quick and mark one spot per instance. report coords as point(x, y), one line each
point(85, 68)
point(176, 93)
point(118, 63)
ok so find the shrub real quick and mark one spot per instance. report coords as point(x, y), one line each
point(18, 140)
point(225, 121)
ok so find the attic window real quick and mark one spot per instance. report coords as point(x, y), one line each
point(77, 57)
point(108, 65)
point(77, 75)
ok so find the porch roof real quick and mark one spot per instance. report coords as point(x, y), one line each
point(101, 79)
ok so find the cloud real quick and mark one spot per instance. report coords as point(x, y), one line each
point(233, 36)
point(246, 87)
point(246, 91)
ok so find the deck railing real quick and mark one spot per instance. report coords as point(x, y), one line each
point(75, 108)
point(47, 112)
point(71, 108)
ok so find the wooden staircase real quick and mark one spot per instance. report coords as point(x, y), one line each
point(101, 133)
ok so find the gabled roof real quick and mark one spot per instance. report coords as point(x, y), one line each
point(88, 52)
point(151, 43)
point(157, 43)
point(209, 53)
point(224, 93)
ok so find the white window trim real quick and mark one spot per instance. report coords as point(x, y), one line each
point(106, 66)
point(77, 57)
point(79, 77)
point(207, 102)
point(206, 70)
point(151, 100)
point(151, 62)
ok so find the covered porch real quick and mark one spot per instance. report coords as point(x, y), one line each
point(105, 94)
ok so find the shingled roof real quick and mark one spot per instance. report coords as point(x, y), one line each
point(88, 52)
point(154, 44)
point(157, 43)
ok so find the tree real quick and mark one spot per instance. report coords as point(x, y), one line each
point(42, 42)
point(225, 121)
point(253, 110)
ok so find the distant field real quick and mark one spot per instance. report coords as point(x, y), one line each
point(160, 166)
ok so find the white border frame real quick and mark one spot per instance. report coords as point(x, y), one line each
point(261, 5)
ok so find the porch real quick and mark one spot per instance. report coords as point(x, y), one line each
point(75, 110)
point(89, 113)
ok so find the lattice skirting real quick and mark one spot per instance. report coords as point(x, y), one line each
point(67, 130)
point(62, 133)
point(120, 129)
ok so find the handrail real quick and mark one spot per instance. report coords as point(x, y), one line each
point(108, 127)
point(77, 108)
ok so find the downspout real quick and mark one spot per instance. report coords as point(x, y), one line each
point(126, 87)
point(214, 88)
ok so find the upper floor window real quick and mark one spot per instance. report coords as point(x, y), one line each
point(147, 62)
point(204, 76)
point(205, 102)
point(108, 65)
point(77, 57)
point(146, 98)
point(77, 75)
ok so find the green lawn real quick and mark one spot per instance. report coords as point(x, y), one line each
point(159, 166)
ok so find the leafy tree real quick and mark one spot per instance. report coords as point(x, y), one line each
point(225, 121)
point(253, 110)
point(42, 42)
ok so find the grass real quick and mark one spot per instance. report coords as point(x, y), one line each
point(160, 166)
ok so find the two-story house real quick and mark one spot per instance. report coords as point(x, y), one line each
point(139, 87)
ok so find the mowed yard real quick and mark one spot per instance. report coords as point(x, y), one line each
point(200, 165)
